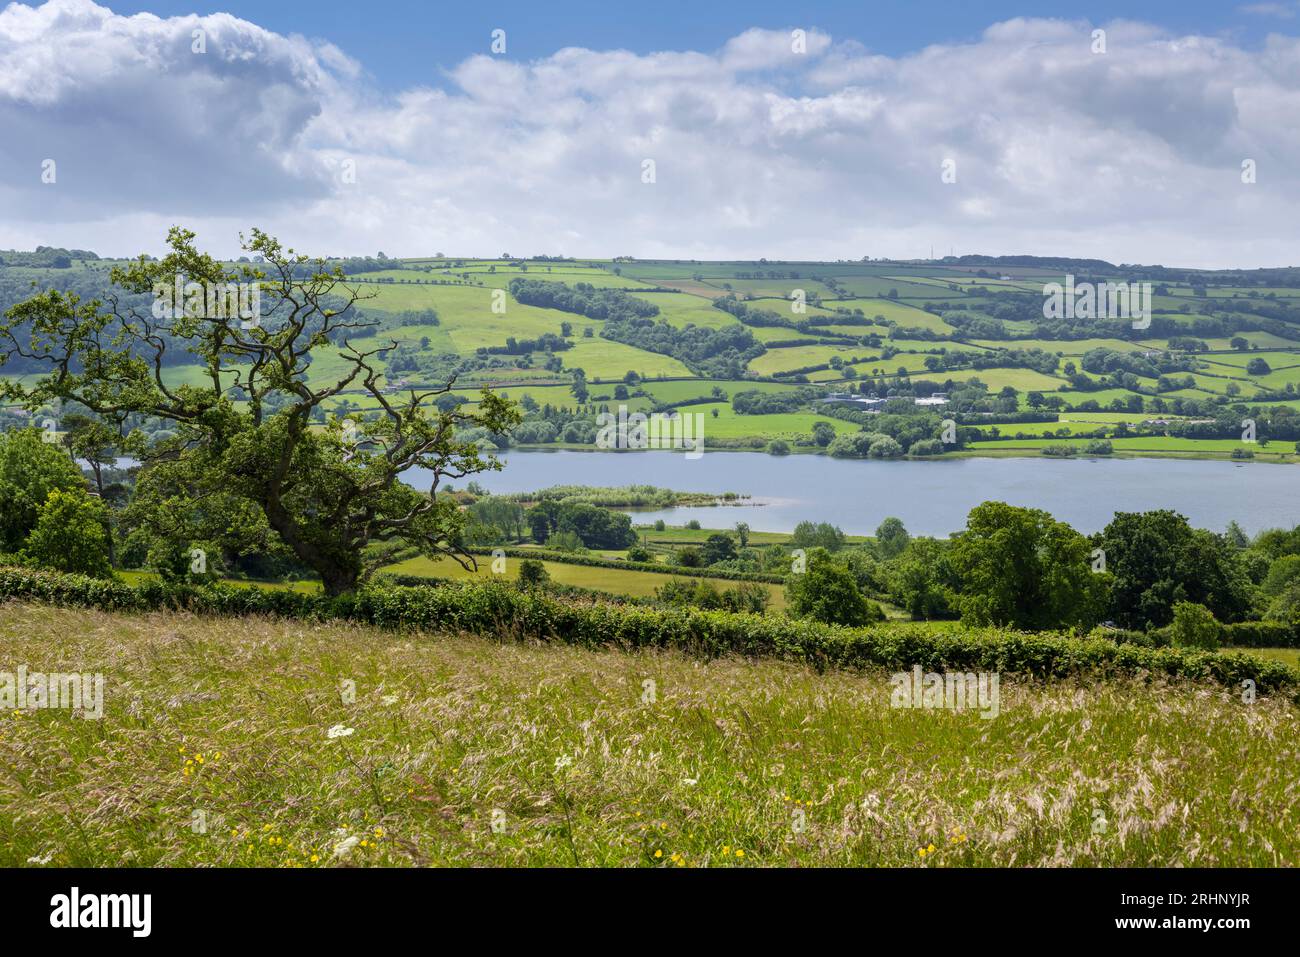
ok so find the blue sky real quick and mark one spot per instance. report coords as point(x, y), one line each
point(659, 129)
point(408, 42)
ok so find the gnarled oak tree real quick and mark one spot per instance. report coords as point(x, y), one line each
point(327, 491)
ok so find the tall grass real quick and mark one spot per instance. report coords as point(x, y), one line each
point(224, 723)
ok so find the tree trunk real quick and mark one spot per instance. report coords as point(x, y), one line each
point(337, 580)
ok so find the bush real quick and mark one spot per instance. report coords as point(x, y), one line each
point(71, 535)
point(828, 591)
point(533, 573)
point(1194, 626)
point(778, 447)
point(640, 554)
point(30, 468)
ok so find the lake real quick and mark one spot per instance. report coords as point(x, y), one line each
point(931, 497)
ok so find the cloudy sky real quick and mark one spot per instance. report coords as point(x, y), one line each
point(1003, 134)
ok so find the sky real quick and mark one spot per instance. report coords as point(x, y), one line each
point(666, 129)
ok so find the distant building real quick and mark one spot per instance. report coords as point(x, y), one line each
point(848, 398)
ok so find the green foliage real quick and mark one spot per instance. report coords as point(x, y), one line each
point(1157, 559)
point(30, 469)
point(639, 554)
point(718, 548)
point(747, 598)
point(891, 538)
point(71, 535)
point(590, 525)
point(1194, 627)
point(1021, 568)
point(921, 580)
point(817, 535)
point(327, 494)
point(497, 609)
point(827, 591)
point(533, 573)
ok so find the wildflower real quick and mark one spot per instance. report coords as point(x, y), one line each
point(390, 699)
point(338, 731)
point(344, 847)
point(739, 852)
point(659, 853)
point(315, 858)
point(379, 832)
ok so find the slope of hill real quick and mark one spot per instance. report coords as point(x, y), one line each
point(252, 742)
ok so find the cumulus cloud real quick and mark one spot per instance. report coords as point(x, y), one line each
point(765, 147)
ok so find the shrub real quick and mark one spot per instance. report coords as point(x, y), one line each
point(71, 535)
point(828, 591)
point(533, 573)
point(778, 447)
point(1194, 626)
point(30, 469)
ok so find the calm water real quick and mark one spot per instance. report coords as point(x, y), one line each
point(931, 497)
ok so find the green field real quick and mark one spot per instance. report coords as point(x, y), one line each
point(603, 758)
point(467, 322)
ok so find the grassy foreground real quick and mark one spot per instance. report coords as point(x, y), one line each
point(215, 749)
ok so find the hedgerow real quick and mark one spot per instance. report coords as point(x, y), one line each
point(499, 609)
point(576, 558)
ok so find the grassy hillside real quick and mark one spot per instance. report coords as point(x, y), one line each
point(729, 762)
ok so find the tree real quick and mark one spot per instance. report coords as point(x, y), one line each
point(532, 573)
point(823, 433)
point(30, 469)
point(1021, 568)
point(1157, 559)
point(828, 591)
point(70, 535)
point(718, 548)
point(93, 441)
point(742, 534)
point(1194, 627)
point(891, 538)
point(328, 494)
point(817, 535)
point(921, 580)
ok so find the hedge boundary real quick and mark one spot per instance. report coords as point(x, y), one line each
point(511, 613)
point(574, 558)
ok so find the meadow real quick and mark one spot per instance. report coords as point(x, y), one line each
point(256, 742)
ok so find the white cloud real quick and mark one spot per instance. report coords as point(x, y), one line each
point(1133, 155)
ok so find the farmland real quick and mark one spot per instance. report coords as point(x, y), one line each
point(1221, 349)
